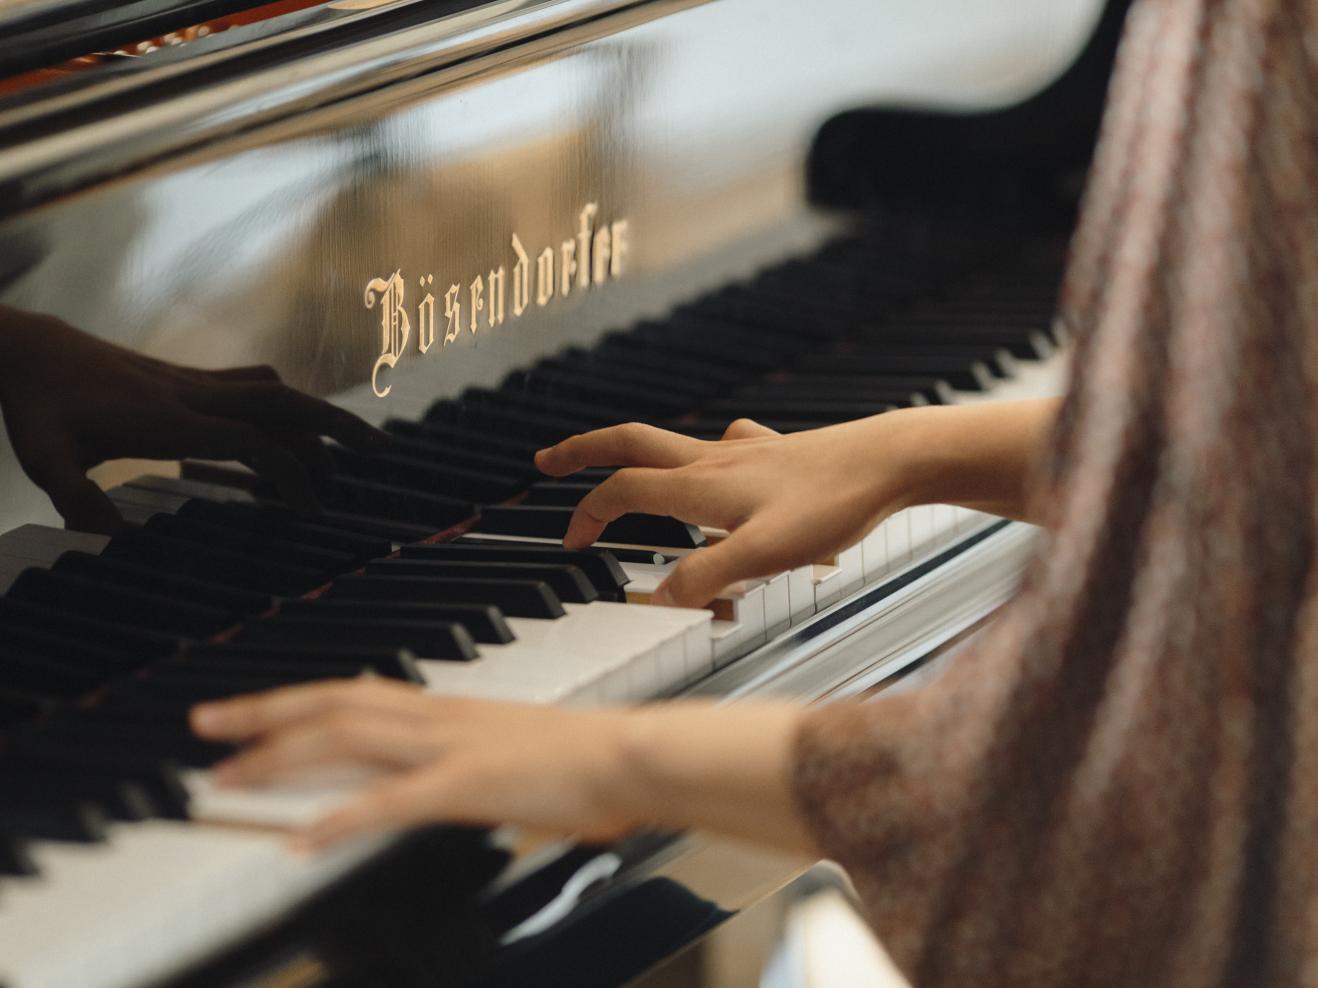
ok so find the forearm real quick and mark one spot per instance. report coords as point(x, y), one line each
point(727, 770)
point(977, 456)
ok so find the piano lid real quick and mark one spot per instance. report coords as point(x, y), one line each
point(59, 37)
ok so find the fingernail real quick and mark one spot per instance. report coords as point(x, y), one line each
point(662, 597)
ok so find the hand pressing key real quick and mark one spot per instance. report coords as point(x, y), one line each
point(791, 500)
point(71, 401)
point(785, 500)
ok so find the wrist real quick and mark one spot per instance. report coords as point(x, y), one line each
point(917, 456)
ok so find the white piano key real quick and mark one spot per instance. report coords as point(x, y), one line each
point(827, 584)
point(921, 519)
point(602, 652)
point(292, 804)
point(153, 898)
point(742, 606)
point(40, 545)
point(777, 605)
point(874, 553)
point(851, 563)
point(801, 593)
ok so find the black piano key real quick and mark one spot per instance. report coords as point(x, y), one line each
point(57, 819)
point(1023, 343)
point(115, 798)
point(104, 600)
point(359, 521)
point(210, 564)
point(532, 425)
point(35, 672)
point(427, 639)
point(189, 687)
point(356, 523)
point(58, 650)
point(225, 665)
point(584, 389)
point(19, 705)
point(513, 397)
point(800, 318)
point(390, 662)
point(148, 580)
point(558, 493)
point(157, 778)
point(483, 623)
point(260, 545)
point(997, 359)
point(552, 522)
point(516, 598)
point(439, 430)
point(718, 343)
point(15, 858)
point(259, 520)
point(568, 582)
point(435, 449)
point(435, 474)
point(132, 740)
point(114, 635)
point(968, 375)
point(397, 503)
point(610, 353)
point(601, 566)
point(683, 390)
point(809, 410)
point(807, 385)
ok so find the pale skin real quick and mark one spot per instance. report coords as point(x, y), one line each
point(599, 774)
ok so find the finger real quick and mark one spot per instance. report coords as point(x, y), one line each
point(747, 553)
point(83, 505)
point(276, 407)
point(212, 438)
point(311, 451)
point(652, 491)
point(633, 444)
point(748, 429)
point(344, 738)
point(56, 468)
point(396, 804)
point(246, 717)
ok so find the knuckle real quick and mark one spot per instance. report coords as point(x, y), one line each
point(632, 434)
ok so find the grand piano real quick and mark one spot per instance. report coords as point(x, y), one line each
point(485, 226)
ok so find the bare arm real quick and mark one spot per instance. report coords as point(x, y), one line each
point(595, 774)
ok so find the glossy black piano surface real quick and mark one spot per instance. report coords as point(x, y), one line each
point(487, 227)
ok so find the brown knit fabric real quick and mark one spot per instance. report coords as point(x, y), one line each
point(1119, 785)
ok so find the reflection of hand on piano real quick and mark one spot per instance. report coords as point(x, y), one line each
point(791, 500)
point(71, 401)
point(589, 774)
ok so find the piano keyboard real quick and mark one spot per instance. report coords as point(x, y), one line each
point(436, 561)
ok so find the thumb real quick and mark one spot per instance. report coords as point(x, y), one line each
point(702, 575)
point(83, 505)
